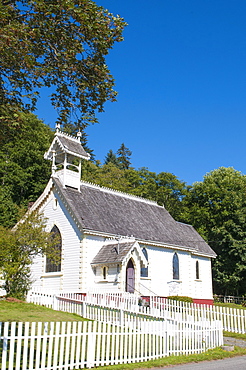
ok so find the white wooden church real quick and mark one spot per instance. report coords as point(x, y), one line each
point(115, 242)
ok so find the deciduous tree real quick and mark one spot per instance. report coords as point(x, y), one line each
point(23, 169)
point(217, 208)
point(18, 247)
point(60, 44)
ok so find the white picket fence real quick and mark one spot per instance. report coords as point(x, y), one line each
point(88, 344)
point(233, 319)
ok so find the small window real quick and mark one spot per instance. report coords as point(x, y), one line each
point(175, 267)
point(197, 271)
point(144, 270)
point(104, 273)
point(52, 266)
point(55, 202)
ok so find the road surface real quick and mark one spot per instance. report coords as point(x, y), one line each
point(238, 363)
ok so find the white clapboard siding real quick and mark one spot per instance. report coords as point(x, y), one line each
point(71, 345)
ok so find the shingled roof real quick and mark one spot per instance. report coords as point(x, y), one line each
point(112, 253)
point(67, 144)
point(107, 211)
point(115, 252)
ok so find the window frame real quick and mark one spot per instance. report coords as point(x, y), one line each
point(51, 267)
point(144, 271)
point(175, 263)
point(197, 270)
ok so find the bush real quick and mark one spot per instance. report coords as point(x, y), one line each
point(181, 298)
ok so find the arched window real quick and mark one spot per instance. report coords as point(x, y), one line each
point(175, 267)
point(197, 271)
point(54, 264)
point(130, 277)
point(104, 273)
point(144, 270)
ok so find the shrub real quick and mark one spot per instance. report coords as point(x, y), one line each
point(181, 298)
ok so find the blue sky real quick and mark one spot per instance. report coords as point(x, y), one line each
point(181, 80)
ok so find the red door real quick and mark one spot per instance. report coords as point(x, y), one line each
point(130, 277)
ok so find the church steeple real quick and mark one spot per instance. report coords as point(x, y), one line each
point(66, 153)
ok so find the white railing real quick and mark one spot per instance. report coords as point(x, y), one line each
point(229, 299)
point(233, 320)
point(88, 344)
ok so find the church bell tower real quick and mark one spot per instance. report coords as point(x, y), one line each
point(66, 154)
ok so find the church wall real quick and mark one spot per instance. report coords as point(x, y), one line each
point(160, 274)
point(202, 287)
point(93, 276)
point(68, 278)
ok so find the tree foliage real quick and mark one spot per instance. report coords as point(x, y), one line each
point(18, 247)
point(124, 155)
point(9, 211)
point(111, 158)
point(217, 208)
point(23, 169)
point(59, 44)
point(121, 159)
point(164, 188)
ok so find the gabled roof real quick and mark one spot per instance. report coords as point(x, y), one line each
point(106, 211)
point(117, 252)
point(66, 144)
point(109, 253)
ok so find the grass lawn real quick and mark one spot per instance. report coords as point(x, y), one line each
point(22, 311)
point(234, 335)
point(230, 305)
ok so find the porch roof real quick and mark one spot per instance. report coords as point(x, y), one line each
point(112, 253)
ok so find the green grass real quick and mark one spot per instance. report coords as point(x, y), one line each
point(22, 311)
point(213, 354)
point(230, 305)
point(234, 335)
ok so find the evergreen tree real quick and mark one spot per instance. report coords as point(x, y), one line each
point(124, 155)
point(111, 158)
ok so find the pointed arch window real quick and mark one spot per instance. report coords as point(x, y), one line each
point(144, 270)
point(51, 264)
point(197, 271)
point(175, 267)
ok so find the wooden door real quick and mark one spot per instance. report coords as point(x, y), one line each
point(130, 277)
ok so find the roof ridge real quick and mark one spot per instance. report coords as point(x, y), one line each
point(64, 134)
point(119, 192)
